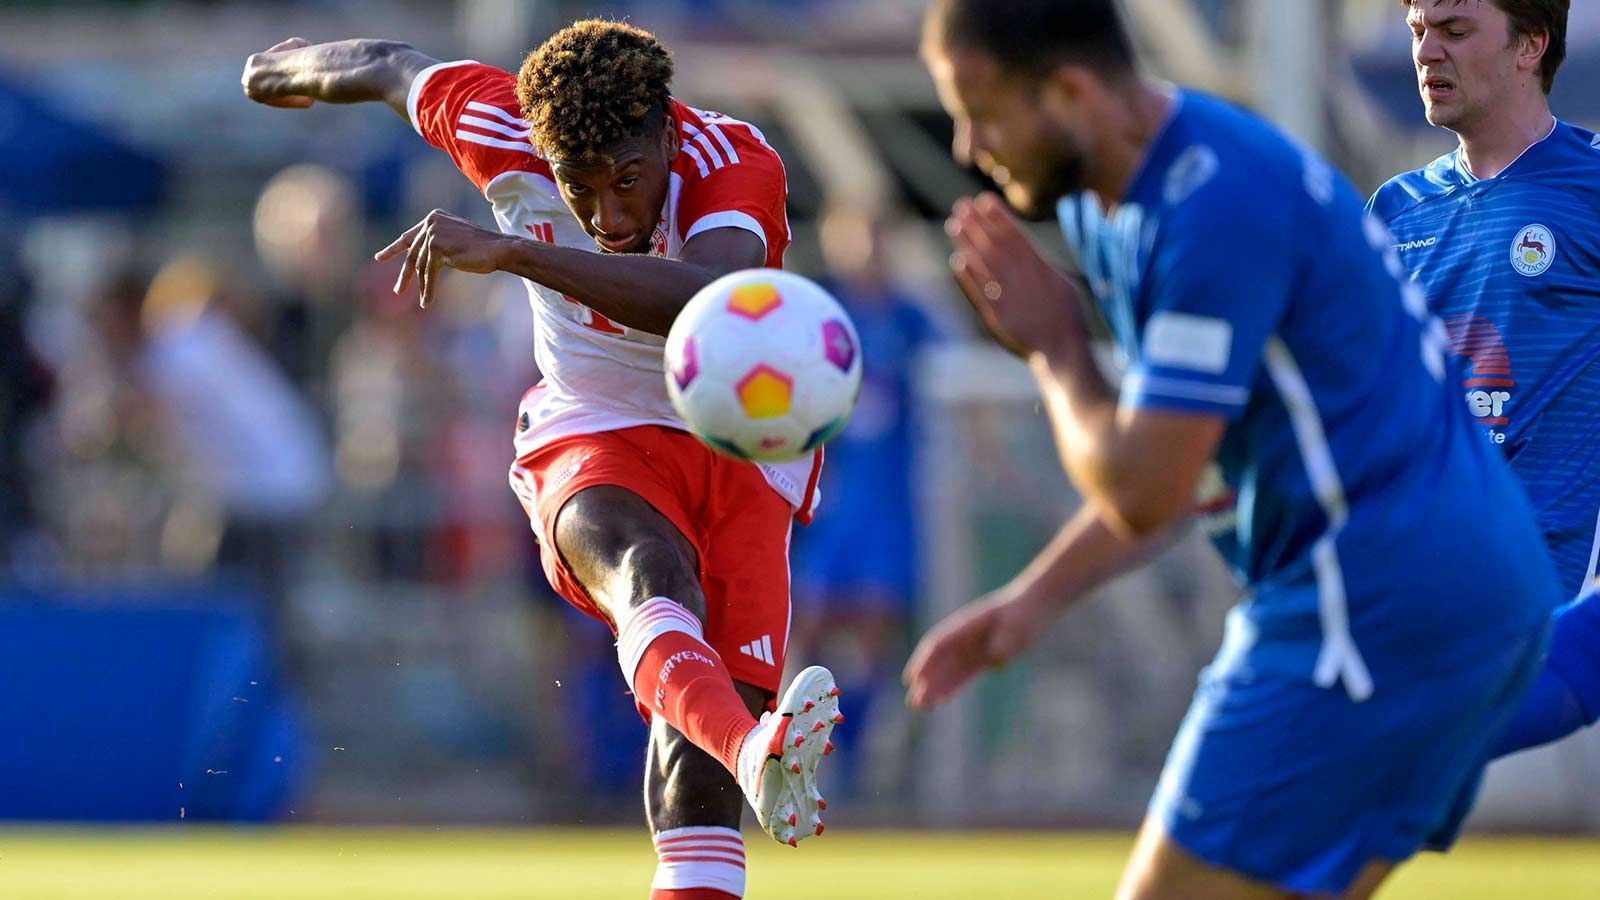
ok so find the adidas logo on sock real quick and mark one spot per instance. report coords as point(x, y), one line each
point(761, 650)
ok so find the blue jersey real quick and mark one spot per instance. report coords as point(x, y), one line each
point(1512, 266)
point(1375, 531)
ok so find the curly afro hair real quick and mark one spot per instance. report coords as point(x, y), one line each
point(593, 85)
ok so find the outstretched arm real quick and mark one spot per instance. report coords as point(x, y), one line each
point(643, 292)
point(297, 73)
point(995, 629)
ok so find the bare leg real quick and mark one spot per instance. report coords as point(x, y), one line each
point(1161, 870)
point(684, 785)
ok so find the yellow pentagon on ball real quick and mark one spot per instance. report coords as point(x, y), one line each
point(753, 300)
point(765, 393)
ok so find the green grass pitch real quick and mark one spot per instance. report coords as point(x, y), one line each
point(357, 864)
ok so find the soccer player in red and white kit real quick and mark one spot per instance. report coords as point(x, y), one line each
point(683, 552)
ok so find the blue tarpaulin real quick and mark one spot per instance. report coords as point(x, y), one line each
point(52, 162)
point(158, 707)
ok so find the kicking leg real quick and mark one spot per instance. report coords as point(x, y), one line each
point(1566, 694)
point(643, 572)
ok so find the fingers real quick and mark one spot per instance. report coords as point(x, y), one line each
point(288, 102)
point(998, 220)
point(427, 272)
point(972, 279)
point(970, 262)
point(983, 292)
point(405, 240)
point(294, 43)
point(987, 226)
point(945, 659)
point(969, 230)
point(408, 267)
point(937, 679)
point(264, 82)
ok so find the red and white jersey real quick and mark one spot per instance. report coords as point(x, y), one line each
point(599, 375)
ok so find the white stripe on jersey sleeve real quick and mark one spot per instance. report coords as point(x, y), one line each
point(495, 127)
point(422, 79)
point(498, 113)
point(476, 138)
point(730, 218)
point(699, 137)
point(727, 146)
point(1224, 394)
point(698, 159)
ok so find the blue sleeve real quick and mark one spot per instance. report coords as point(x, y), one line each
point(1221, 275)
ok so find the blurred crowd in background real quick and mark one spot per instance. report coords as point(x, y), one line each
point(214, 409)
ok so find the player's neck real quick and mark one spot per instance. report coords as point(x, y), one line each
point(1149, 105)
point(1486, 150)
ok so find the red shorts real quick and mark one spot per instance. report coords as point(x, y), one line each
point(737, 524)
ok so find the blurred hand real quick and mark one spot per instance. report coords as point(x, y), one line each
point(440, 240)
point(266, 81)
point(1026, 304)
point(989, 632)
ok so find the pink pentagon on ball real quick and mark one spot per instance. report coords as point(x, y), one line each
point(837, 345)
point(688, 365)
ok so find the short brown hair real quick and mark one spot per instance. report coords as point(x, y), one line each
point(1035, 35)
point(1528, 18)
point(593, 85)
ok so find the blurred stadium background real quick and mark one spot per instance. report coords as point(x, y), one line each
point(259, 564)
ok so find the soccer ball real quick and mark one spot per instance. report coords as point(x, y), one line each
point(763, 364)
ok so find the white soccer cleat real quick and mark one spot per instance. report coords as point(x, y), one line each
point(778, 763)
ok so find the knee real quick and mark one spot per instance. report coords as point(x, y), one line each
point(653, 565)
point(625, 555)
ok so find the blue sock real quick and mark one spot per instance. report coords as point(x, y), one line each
point(1566, 695)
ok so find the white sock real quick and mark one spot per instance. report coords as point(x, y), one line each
point(700, 857)
point(646, 622)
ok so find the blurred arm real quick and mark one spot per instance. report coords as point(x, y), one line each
point(995, 629)
point(639, 291)
point(1141, 465)
point(1086, 553)
point(297, 73)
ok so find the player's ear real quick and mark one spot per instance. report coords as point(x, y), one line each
point(1531, 48)
point(669, 141)
point(1069, 82)
point(1068, 86)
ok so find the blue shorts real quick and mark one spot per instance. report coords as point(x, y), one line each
point(1299, 786)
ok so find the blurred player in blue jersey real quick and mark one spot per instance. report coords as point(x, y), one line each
point(1281, 373)
point(1501, 234)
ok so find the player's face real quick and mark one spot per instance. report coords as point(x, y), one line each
point(618, 197)
point(1005, 127)
point(1466, 59)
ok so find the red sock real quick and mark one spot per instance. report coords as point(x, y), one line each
point(676, 675)
point(691, 894)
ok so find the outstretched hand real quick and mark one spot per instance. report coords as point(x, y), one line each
point(1026, 304)
point(265, 82)
point(986, 633)
point(440, 240)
